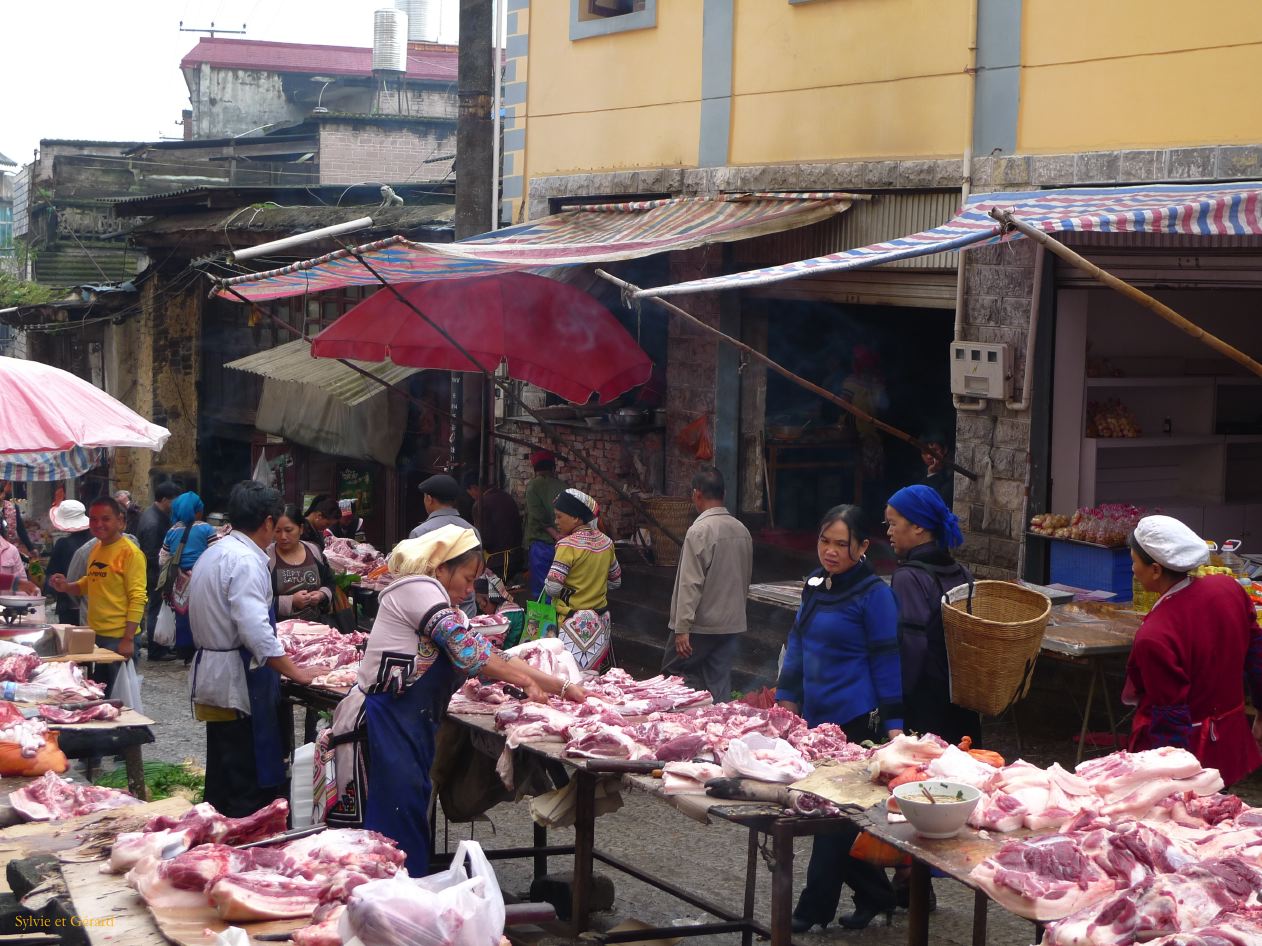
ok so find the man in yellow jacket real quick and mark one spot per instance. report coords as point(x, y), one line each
point(114, 584)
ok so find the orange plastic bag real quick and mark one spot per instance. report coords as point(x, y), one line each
point(872, 850)
point(50, 758)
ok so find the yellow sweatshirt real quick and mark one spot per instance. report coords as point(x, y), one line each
point(115, 587)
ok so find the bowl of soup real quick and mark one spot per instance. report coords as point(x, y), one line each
point(937, 808)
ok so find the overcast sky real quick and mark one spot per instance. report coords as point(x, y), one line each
point(111, 70)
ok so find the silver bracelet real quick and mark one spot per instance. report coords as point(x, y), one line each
point(565, 685)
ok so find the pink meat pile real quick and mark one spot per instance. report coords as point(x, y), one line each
point(1106, 882)
point(16, 666)
point(346, 556)
point(66, 682)
point(308, 877)
point(29, 735)
point(102, 712)
point(318, 646)
point(50, 798)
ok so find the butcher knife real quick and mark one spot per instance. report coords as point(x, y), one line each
point(292, 834)
point(624, 766)
point(88, 704)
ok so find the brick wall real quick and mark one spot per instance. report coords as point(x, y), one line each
point(691, 370)
point(354, 151)
point(630, 458)
point(995, 442)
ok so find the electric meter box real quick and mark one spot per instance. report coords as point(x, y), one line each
point(979, 370)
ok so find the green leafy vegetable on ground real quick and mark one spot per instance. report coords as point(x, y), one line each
point(163, 779)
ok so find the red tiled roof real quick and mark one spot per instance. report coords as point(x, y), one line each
point(438, 63)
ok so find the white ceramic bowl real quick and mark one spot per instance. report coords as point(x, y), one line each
point(943, 818)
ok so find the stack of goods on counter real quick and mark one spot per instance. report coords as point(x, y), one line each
point(1135, 847)
point(318, 646)
point(1109, 524)
point(348, 557)
point(54, 799)
point(1111, 419)
point(194, 861)
point(658, 719)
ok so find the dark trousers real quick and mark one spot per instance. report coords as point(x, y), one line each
point(928, 708)
point(231, 779)
point(710, 665)
point(104, 674)
point(831, 867)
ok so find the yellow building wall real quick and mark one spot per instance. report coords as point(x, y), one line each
point(1100, 76)
point(626, 100)
point(831, 81)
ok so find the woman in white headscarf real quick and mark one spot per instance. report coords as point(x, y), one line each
point(1195, 648)
point(420, 651)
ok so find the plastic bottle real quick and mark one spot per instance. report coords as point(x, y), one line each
point(23, 692)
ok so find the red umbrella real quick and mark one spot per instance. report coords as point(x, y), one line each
point(551, 334)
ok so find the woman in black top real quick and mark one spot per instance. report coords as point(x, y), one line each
point(300, 578)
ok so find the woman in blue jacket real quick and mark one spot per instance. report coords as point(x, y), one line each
point(841, 666)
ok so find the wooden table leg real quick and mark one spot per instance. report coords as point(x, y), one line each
point(1086, 714)
point(751, 883)
point(781, 884)
point(918, 905)
point(981, 903)
point(584, 844)
point(1108, 704)
point(135, 772)
point(541, 860)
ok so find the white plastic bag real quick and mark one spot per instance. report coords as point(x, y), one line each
point(300, 785)
point(768, 760)
point(461, 906)
point(164, 627)
point(127, 686)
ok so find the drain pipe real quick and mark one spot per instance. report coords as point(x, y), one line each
point(966, 188)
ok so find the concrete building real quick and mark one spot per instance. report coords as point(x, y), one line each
point(917, 103)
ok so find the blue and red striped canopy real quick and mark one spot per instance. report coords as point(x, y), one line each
point(591, 233)
point(1191, 209)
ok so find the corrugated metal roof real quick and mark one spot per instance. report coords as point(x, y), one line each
point(293, 362)
point(226, 53)
point(69, 265)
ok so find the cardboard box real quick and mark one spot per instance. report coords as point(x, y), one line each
point(74, 640)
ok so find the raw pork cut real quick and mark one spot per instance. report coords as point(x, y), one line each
point(30, 735)
point(826, 741)
point(183, 881)
point(1184, 902)
point(265, 895)
point(201, 824)
point(905, 752)
point(322, 930)
point(1044, 878)
point(102, 712)
point(688, 778)
point(67, 682)
point(49, 798)
point(18, 667)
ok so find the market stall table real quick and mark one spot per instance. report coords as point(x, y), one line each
point(760, 819)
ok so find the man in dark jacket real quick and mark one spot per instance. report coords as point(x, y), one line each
point(152, 531)
point(496, 516)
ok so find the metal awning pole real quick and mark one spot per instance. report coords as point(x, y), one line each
point(779, 369)
point(1136, 295)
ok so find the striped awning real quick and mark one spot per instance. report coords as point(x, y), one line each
point(293, 362)
point(49, 466)
point(591, 233)
point(1188, 209)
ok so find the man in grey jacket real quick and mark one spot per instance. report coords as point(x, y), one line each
point(707, 609)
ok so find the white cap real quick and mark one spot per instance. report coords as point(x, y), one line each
point(1171, 544)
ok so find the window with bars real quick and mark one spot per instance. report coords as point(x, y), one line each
point(602, 17)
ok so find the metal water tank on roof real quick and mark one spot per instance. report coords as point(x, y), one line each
point(389, 41)
point(422, 19)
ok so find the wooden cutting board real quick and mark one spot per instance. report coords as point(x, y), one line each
point(31, 838)
point(843, 783)
point(124, 920)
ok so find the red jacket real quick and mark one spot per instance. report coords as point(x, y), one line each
point(1188, 668)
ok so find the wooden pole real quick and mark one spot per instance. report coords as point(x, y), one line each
point(509, 393)
point(845, 405)
point(1136, 295)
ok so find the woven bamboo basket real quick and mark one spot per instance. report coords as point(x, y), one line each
point(675, 514)
point(992, 642)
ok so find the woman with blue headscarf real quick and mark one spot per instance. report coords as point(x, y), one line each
point(922, 529)
point(188, 538)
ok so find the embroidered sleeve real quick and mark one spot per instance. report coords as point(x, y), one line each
point(615, 573)
point(468, 649)
point(559, 573)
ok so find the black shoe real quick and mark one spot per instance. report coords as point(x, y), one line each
point(862, 916)
point(162, 658)
point(801, 924)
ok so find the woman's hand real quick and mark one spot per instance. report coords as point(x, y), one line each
point(789, 705)
point(534, 692)
point(28, 587)
point(895, 732)
point(573, 692)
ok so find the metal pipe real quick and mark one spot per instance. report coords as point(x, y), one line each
point(497, 68)
point(966, 189)
point(299, 238)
